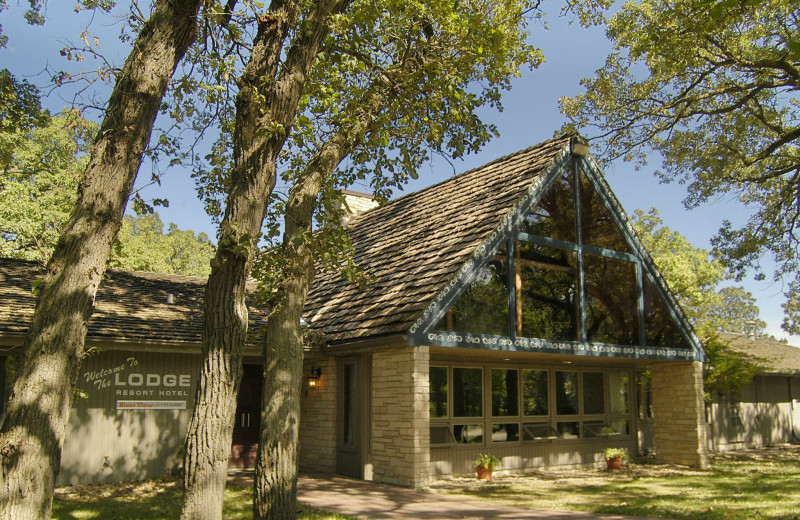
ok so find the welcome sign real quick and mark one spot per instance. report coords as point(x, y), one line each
point(140, 381)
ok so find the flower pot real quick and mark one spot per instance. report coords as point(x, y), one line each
point(483, 473)
point(614, 463)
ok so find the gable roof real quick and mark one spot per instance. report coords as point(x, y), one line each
point(130, 306)
point(780, 357)
point(413, 245)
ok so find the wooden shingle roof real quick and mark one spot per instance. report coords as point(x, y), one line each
point(412, 246)
point(130, 306)
point(779, 357)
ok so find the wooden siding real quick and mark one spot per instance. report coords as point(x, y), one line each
point(106, 444)
point(519, 458)
point(765, 413)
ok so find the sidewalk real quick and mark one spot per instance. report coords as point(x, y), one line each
point(369, 500)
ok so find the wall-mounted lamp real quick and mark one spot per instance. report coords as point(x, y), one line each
point(313, 379)
point(579, 146)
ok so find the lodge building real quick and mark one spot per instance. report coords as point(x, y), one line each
point(511, 309)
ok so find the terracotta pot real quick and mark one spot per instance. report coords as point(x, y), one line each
point(614, 463)
point(483, 473)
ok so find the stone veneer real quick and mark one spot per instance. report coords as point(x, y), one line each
point(318, 419)
point(679, 414)
point(400, 437)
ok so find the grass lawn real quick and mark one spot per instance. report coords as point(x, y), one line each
point(153, 500)
point(758, 484)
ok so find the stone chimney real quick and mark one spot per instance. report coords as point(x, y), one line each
point(356, 203)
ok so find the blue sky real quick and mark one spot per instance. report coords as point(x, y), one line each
point(531, 115)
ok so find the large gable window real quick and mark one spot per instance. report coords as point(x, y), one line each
point(566, 274)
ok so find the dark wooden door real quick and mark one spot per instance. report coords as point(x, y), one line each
point(348, 438)
point(244, 448)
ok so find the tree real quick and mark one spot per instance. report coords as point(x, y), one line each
point(711, 85)
point(393, 82)
point(737, 312)
point(142, 245)
point(33, 432)
point(283, 50)
point(41, 169)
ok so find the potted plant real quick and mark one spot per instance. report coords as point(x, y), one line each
point(485, 464)
point(614, 457)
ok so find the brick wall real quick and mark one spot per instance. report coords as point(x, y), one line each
point(318, 419)
point(678, 413)
point(400, 436)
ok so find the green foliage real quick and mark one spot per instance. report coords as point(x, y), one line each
point(712, 87)
point(40, 171)
point(142, 245)
point(737, 312)
point(20, 107)
point(487, 460)
point(615, 453)
point(726, 370)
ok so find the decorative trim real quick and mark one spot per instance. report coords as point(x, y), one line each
point(577, 348)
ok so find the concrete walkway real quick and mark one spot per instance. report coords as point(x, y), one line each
point(370, 500)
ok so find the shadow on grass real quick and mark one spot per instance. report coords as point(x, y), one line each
point(154, 500)
point(752, 485)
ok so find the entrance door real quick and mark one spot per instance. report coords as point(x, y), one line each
point(348, 438)
point(244, 449)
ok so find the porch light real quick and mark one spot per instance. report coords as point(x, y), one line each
point(313, 379)
point(579, 146)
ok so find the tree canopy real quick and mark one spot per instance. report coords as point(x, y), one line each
point(712, 87)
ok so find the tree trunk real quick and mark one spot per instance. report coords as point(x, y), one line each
point(208, 441)
point(33, 432)
point(275, 494)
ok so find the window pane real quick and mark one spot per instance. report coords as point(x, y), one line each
point(546, 292)
point(468, 433)
point(568, 429)
point(595, 429)
point(567, 393)
point(618, 392)
point(505, 432)
point(483, 308)
point(554, 217)
point(467, 392)
point(612, 301)
point(660, 329)
point(593, 395)
point(441, 435)
point(534, 392)
point(505, 393)
point(597, 226)
point(621, 426)
point(536, 431)
point(438, 390)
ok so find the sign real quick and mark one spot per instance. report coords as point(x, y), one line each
point(151, 405)
point(138, 382)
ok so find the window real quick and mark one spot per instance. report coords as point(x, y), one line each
point(593, 394)
point(566, 393)
point(438, 391)
point(527, 404)
point(535, 392)
point(505, 393)
point(467, 392)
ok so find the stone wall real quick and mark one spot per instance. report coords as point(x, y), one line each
point(400, 436)
point(679, 426)
point(318, 418)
